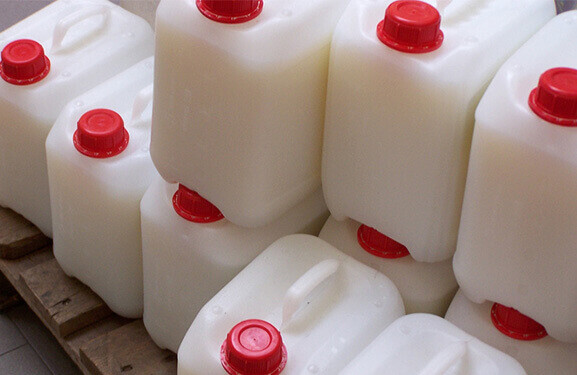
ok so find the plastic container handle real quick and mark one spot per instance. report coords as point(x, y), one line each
point(65, 24)
point(142, 100)
point(445, 359)
point(297, 293)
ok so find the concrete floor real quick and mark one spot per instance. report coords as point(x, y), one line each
point(28, 348)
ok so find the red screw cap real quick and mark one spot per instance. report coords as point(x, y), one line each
point(380, 245)
point(191, 206)
point(411, 26)
point(516, 325)
point(100, 134)
point(253, 347)
point(230, 11)
point(555, 97)
point(24, 62)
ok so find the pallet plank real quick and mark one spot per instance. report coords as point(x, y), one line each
point(18, 236)
point(12, 268)
point(76, 340)
point(67, 304)
point(127, 350)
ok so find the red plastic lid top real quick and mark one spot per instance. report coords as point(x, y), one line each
point(100, 134)
point(516, 325)
point(191, 206)
point(380, 245)
point(411, 26)
point(24, 62)
point(555, 97)
point(230, 11)
point(253, 347)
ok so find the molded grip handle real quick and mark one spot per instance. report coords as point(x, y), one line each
point(65, 24)
point(445, 359)
point(142, 100)
point(297, 293)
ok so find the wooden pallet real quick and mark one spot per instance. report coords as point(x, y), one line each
point(97, 340)
point(18, 237)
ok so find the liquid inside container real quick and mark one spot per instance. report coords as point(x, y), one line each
point(400, 111)
point(186, 262)
point(425, 287)
point(96, 190)
point(517, 233)
point(426, 344)
point(85, 42)
point(541, 356)
point(326, 306)
point(252, 96)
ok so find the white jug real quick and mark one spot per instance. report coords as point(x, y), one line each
point(49, 59)
point(96, 190)
point(190, 251)
point(423, 344)
point(239, 108)
point(517, 240)
point(400, 110)
point(324, 308)
point(538, 354)
point(425, 287)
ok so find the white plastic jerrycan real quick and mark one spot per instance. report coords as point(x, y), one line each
point(99, 168)
point(425, 287)
point(404, 81)
point(424, 344)
point(143, 8)
point(239, 101)
point(47, 60)
point(324, 308)
point(515, 334)
point(190, 251)
point(517, 242)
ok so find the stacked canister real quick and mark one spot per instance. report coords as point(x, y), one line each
point(99, 168)
point(515, 260)
point(402, 92)
point(239, 103)
point(301, 307)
